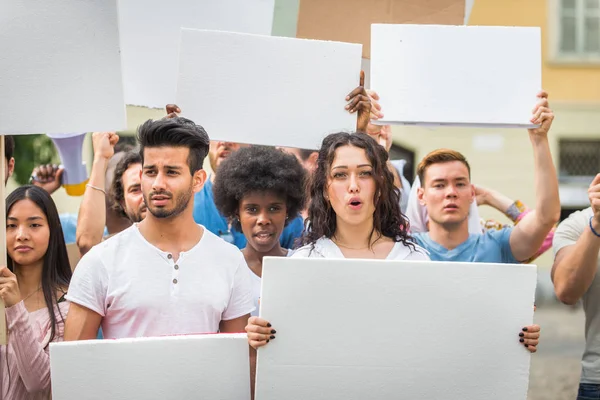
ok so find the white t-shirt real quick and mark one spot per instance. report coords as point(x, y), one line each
point(326, 248)
point(140, 291)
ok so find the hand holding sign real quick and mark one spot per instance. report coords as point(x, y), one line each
point(9, 287)
point(360, 102)
point(542, 115)
point(594, 196)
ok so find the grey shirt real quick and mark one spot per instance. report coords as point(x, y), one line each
point(567, 234)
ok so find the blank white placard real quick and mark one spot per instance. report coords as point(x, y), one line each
point(267, 90)
point(178, 367)
point(456, 75)
point(60, 68)
point(364, 329)
point(150, 32)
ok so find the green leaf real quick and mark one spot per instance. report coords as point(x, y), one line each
point(31, 151)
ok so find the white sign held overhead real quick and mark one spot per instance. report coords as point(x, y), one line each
point(177, 367)
point(387, 330)
point(60, 67)
point(267, 90)
point(485, 76)
point(150, 34)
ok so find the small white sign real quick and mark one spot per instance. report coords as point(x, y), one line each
point(267, 90)
point(386, 330)
point(176, 367)
point(60, 67)
point(150, 34)
point(485, 76)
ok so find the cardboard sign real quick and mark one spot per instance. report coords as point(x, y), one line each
point(60, 67)
point(176, 367)
point(350, 20)
point(372, 329)
point(456, 75)
point(267, 90)
point(150, 33)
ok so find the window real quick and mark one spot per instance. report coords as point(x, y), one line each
point(579, 160)
point(578, 33)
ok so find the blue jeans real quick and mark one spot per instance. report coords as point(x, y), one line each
point(588, 391)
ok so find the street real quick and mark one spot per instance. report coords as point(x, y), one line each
point(555, 368)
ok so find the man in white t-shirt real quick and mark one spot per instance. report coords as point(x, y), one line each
point(575, 276)
point(165, 275)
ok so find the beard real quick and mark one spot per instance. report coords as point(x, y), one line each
point(182, 200)
point(137, 216)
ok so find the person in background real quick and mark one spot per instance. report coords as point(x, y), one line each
point(448, 195)
point(257, 190)
point(33, 287)
point(575, 276)
point(98, 209)
point(9, 159)
point(147, 280)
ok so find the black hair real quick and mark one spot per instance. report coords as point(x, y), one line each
point(117, 191)
point(56, 273)
point(306, 153)
point(388, 219)
point(175, 132)
point(259, 169)
point(9, 147)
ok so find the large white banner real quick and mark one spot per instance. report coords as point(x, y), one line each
point(60, 67)
point(267, 90)
point(150, 34)
point(388, 330)
point(456, 75)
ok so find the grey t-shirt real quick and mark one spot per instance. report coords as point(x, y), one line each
point(567, 234)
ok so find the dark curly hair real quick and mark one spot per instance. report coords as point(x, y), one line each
point(117, 191)
point(388, 220)
point(259, 169)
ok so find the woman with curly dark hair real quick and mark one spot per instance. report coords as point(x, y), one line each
point(354, 211)
point(259, 190)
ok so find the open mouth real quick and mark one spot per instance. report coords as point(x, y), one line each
point(264, 236)
point(355, 203)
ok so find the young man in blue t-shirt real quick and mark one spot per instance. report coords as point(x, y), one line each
point(447, 194)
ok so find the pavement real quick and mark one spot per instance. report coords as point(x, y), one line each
point(556, 367)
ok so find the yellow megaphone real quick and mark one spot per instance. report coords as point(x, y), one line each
point(70, 149)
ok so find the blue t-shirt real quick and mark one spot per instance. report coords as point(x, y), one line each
point(68, 223)
point(493, 246)
point(207, 215)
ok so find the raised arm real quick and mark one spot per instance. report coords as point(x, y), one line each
point(577, 243)
point(529, 234)
point(92, 211)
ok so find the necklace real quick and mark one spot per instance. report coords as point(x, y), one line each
point(32, 293)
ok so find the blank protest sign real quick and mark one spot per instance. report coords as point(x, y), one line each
point(365, 329)
point(178, 367)
point(60, 67)
point(456, 75)
point(150, 33)
point(267, 90)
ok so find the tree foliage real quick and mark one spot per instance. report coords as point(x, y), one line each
point(31, 151)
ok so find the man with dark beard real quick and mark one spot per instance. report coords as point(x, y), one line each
point(165, 275)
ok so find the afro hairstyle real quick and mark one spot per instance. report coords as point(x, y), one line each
point(259, 169)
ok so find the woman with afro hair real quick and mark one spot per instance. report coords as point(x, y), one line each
point(259, 190)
